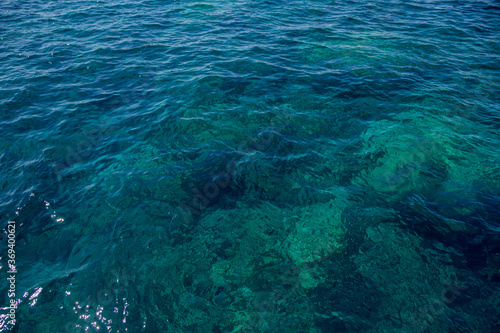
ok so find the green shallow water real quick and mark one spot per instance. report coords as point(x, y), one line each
point(267, 166)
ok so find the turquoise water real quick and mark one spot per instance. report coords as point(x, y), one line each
point(237, 166)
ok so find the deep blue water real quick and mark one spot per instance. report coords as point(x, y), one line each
point(251, 166)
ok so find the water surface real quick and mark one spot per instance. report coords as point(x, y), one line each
point(251, 166)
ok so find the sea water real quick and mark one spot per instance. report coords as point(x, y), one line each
point(250, 166)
